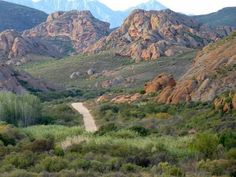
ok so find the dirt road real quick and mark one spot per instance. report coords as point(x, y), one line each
point(89, 121)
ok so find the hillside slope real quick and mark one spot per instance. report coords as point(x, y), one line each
point(224, 17)
point(213, 72)
point(19, 18)
point(20, 82)
point(14, 48)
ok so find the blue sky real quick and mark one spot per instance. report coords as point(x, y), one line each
point(184, 6)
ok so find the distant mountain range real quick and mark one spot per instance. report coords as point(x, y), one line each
point(224, 17)
point(20, 18)
point(98, 9)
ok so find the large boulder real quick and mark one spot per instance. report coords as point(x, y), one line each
point(160, 82)
point(121, 99)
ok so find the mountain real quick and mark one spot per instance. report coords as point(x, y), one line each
point(21, 82)
point(212, 73)
point(98, 9)
point(150, 5)
point(79, 27)
point(19, 18)
point(146, 35)
point(224, 17)
point(63, 33)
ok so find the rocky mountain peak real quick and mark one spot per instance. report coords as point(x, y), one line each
point(80, 27)
point(150, 34)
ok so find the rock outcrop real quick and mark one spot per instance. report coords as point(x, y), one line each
point(212, 73)
point(15, 48)
point(147, 35)
point(21, 82)
point(160, 82)
point(126, 98)
point(79, 27)
point(225, 102)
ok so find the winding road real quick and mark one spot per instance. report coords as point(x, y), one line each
point(89, 121)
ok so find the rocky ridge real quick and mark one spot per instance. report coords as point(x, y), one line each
point(212, 73)
point(147, 35)
point(14, 47)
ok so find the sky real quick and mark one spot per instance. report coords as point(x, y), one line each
point(184, 6)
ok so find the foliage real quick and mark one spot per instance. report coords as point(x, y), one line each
point(57, 132)
point(20, 110)
point(228, 139)
point(206, 144)
point(60, 114)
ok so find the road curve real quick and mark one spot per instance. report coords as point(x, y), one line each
point(89, 121)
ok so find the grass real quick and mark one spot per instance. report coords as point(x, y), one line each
point(58, 132)
point(178, 146)
point(59, 71)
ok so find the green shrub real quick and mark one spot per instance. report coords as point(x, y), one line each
point(170, 170)
point(217, 167)
point(140, 130)
point(60, 114)
point(10, 135)
point(53, 164)
point(231, 154)
point(98, 166)
point(206, 144)
point(20, 173)
point(81, 164)
point(40, 145)
point(107, 128)
point(22, 160)
point(128, 167)
point(59, 151)
point(228, 139)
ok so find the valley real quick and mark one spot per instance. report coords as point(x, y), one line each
point(154, 97)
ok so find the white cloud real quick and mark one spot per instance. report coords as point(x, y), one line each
point(184, 6)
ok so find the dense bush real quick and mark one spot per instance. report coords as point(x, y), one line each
point(140, 130)
point(20, 110)
point(10, 135)
point(60, 114)
point(228, 139)
point(218, 167)
point(206, 144)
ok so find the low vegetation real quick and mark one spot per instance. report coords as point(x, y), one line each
point(140, 139)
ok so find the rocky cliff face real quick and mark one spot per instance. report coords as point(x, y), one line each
point(14, 48)
point(212, 73)
point(20, 82)
point(150, 34)
point(80, 27)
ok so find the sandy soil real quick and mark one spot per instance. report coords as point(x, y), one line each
point(89, 121)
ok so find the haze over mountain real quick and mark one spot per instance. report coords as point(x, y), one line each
point(98, 9)
point(17, 17)
point(223, 17)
